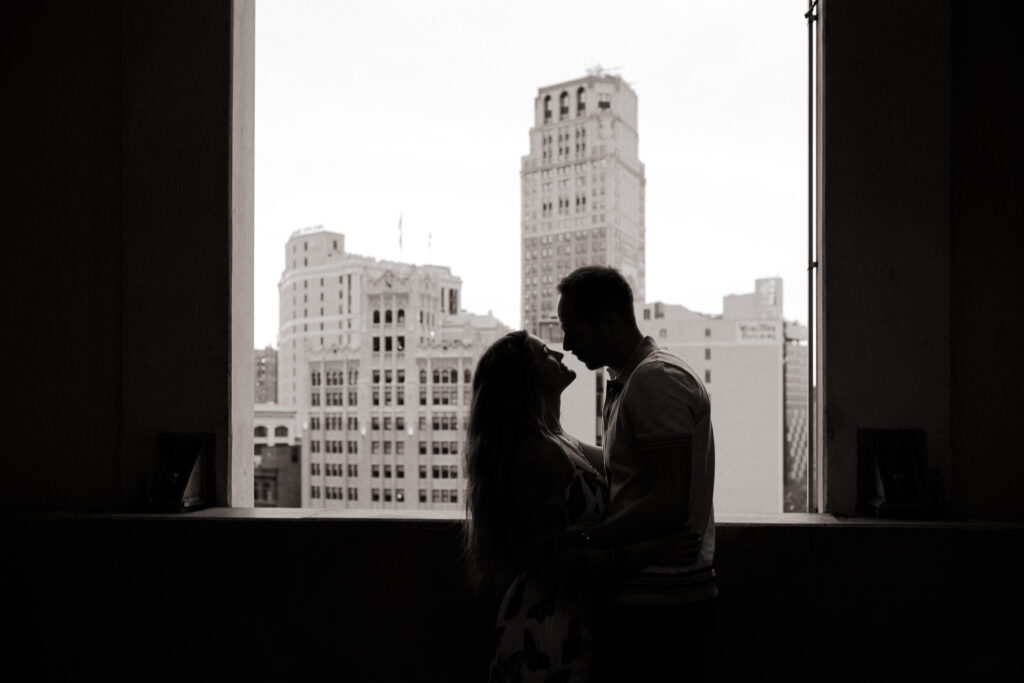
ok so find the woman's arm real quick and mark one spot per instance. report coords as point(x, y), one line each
point(538, 474)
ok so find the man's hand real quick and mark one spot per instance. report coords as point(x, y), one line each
point(607, 565)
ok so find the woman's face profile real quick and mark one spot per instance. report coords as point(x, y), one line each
point(552, 374)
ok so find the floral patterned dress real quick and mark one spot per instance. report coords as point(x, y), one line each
point(544, 626)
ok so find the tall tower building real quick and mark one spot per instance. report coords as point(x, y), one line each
point(582, 191)
point(376, 360)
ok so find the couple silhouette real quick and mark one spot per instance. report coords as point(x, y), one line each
point(603, 557)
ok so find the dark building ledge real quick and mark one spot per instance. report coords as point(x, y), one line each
point(786, 520)
point(384, 598)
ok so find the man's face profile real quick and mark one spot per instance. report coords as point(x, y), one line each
point(580, 337)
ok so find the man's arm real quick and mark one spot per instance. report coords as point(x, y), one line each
point(664, 508)
point(658, 418)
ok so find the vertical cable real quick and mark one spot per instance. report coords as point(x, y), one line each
point(812, 264)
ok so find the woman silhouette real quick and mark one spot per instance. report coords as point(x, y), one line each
point(532, 492)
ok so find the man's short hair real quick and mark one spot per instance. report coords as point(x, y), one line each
point(597, 289)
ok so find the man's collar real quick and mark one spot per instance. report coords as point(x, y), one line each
point(640, 351)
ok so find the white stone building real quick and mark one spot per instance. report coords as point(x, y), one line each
point(376, 357)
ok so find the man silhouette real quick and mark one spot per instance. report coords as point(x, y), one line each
point(659, 456)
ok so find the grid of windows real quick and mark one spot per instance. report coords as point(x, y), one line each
point(378, 332)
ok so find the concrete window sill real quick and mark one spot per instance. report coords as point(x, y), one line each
point(786, 520)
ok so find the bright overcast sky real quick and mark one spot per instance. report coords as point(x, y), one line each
point(369, 110)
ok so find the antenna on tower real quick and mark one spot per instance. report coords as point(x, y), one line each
point(400, 250)
point(601, 71)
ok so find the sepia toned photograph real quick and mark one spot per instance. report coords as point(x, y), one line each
point(575, 342)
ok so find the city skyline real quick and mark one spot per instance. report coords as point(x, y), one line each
point(370, 115)
point(376, 364)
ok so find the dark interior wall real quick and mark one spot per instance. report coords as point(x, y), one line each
point(63, 190)
point(176, 327)
point(379, 600)
point(987, 328)
point(885, 252)
point(920, 173)
point(118, 154)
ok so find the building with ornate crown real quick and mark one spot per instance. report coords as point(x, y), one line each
point(376, 357)
point(582, 190)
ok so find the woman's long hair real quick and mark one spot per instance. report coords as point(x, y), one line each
point(507, 405)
